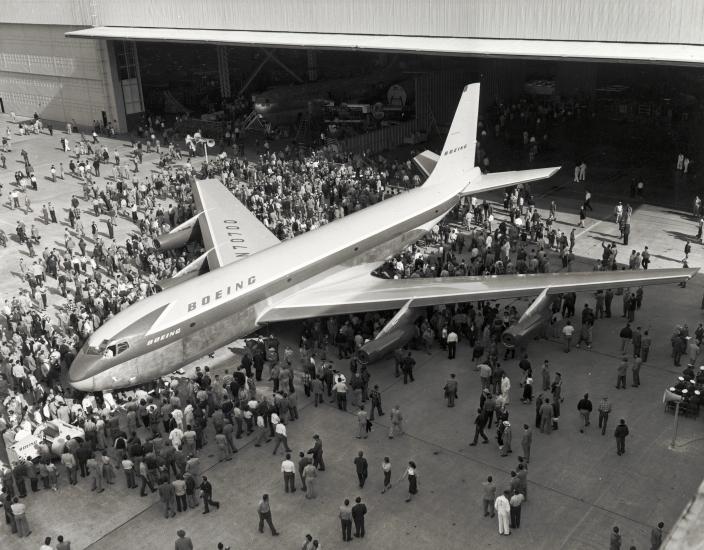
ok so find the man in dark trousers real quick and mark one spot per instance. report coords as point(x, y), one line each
point(317, 452)
point(407, 365)
point(362, 468)
point(346, 521)
point(479, 428)
point(358, 512)
point(207, 495)
point(585, 408)
point(451, 390)
point(303, 461)
point(620, 434)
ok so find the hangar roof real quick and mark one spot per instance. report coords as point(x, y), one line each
point(677, 54)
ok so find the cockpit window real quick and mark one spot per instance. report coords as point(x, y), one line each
point(93, 350)
point(112, 350)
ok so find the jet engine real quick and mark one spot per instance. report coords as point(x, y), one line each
point(179, 236)
point(538, 313)
point(397, 332)
point(194, 269)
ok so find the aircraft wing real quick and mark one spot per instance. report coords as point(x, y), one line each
point(498, 180)
point(355, 294)
point(229, 230)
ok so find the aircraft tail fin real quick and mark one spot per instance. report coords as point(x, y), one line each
point(457, 157)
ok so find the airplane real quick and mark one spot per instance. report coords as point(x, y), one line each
point(247, 278)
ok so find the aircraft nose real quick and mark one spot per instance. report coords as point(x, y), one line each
point(80, 374)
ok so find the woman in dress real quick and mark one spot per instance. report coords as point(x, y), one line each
point(410, 473)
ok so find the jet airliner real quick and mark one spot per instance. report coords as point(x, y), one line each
point(247, 278)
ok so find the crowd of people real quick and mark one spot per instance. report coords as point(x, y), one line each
point(156, 434)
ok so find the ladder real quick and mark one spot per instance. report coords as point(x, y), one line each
point(254, 122)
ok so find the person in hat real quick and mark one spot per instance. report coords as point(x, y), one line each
point(506, 436)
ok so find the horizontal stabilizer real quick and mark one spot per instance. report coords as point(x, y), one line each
point(426, 161)
point(498, 180)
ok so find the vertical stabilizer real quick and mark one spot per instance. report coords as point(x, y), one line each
point(457, 157)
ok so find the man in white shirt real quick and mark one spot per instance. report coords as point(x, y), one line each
point(567, 333)
point(451, 344)
point(280, 433)
point(503, 510)
point(288, 468)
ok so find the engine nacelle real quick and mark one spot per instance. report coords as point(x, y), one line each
point(194, 269)
point(179, 236)
point(537, 314)
point(396, 333)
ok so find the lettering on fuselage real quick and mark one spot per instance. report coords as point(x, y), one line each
point(221, 293)
point(235, 238)
point(164, 336)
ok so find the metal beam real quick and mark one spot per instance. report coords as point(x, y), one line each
point(224, 72)
point(254, 74)
point(282, 64)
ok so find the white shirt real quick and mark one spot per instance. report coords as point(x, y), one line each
point(287, 466)
point(281, 429)
point(501, 504)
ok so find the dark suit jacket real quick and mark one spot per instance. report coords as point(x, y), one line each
point(358, 511)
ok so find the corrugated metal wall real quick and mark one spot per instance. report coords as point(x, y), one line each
point(677, 21)
point(42, 71)
point(660, 21)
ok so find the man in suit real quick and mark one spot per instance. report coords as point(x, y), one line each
point(207, 494)
point(303, 461)
point(317, 452)
point(362, 468)
point(358, 512)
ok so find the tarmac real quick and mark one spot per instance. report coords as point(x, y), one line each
point(578, 487)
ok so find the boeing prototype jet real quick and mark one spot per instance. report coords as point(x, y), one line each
point(247, 278)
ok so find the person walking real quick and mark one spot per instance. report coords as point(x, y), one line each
point(452, 339)
point(635, 370)
point(362, 420)
point(621, 373)
point(396, 427)
point(615, 540)
point(479, 422)
point(620, 434)
point(310, 473)
point(386, 469)
point(375, 397)
point(362, 468)
point(345, 515)
point(585, 408)
point(281, 437)
point(488, 496)
point(303, 461)
point(546, 416)
point(359, 510)
point(288, 468)
point(526, 442)
point(502, 506)
point(656, 536)
point(506, 437)
point(167, 496)
point(568, 333)
point(317, 452)
point(264, 511)
point(451, 390)
point(206, 493)
point(604, 410)
point(410, 474)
